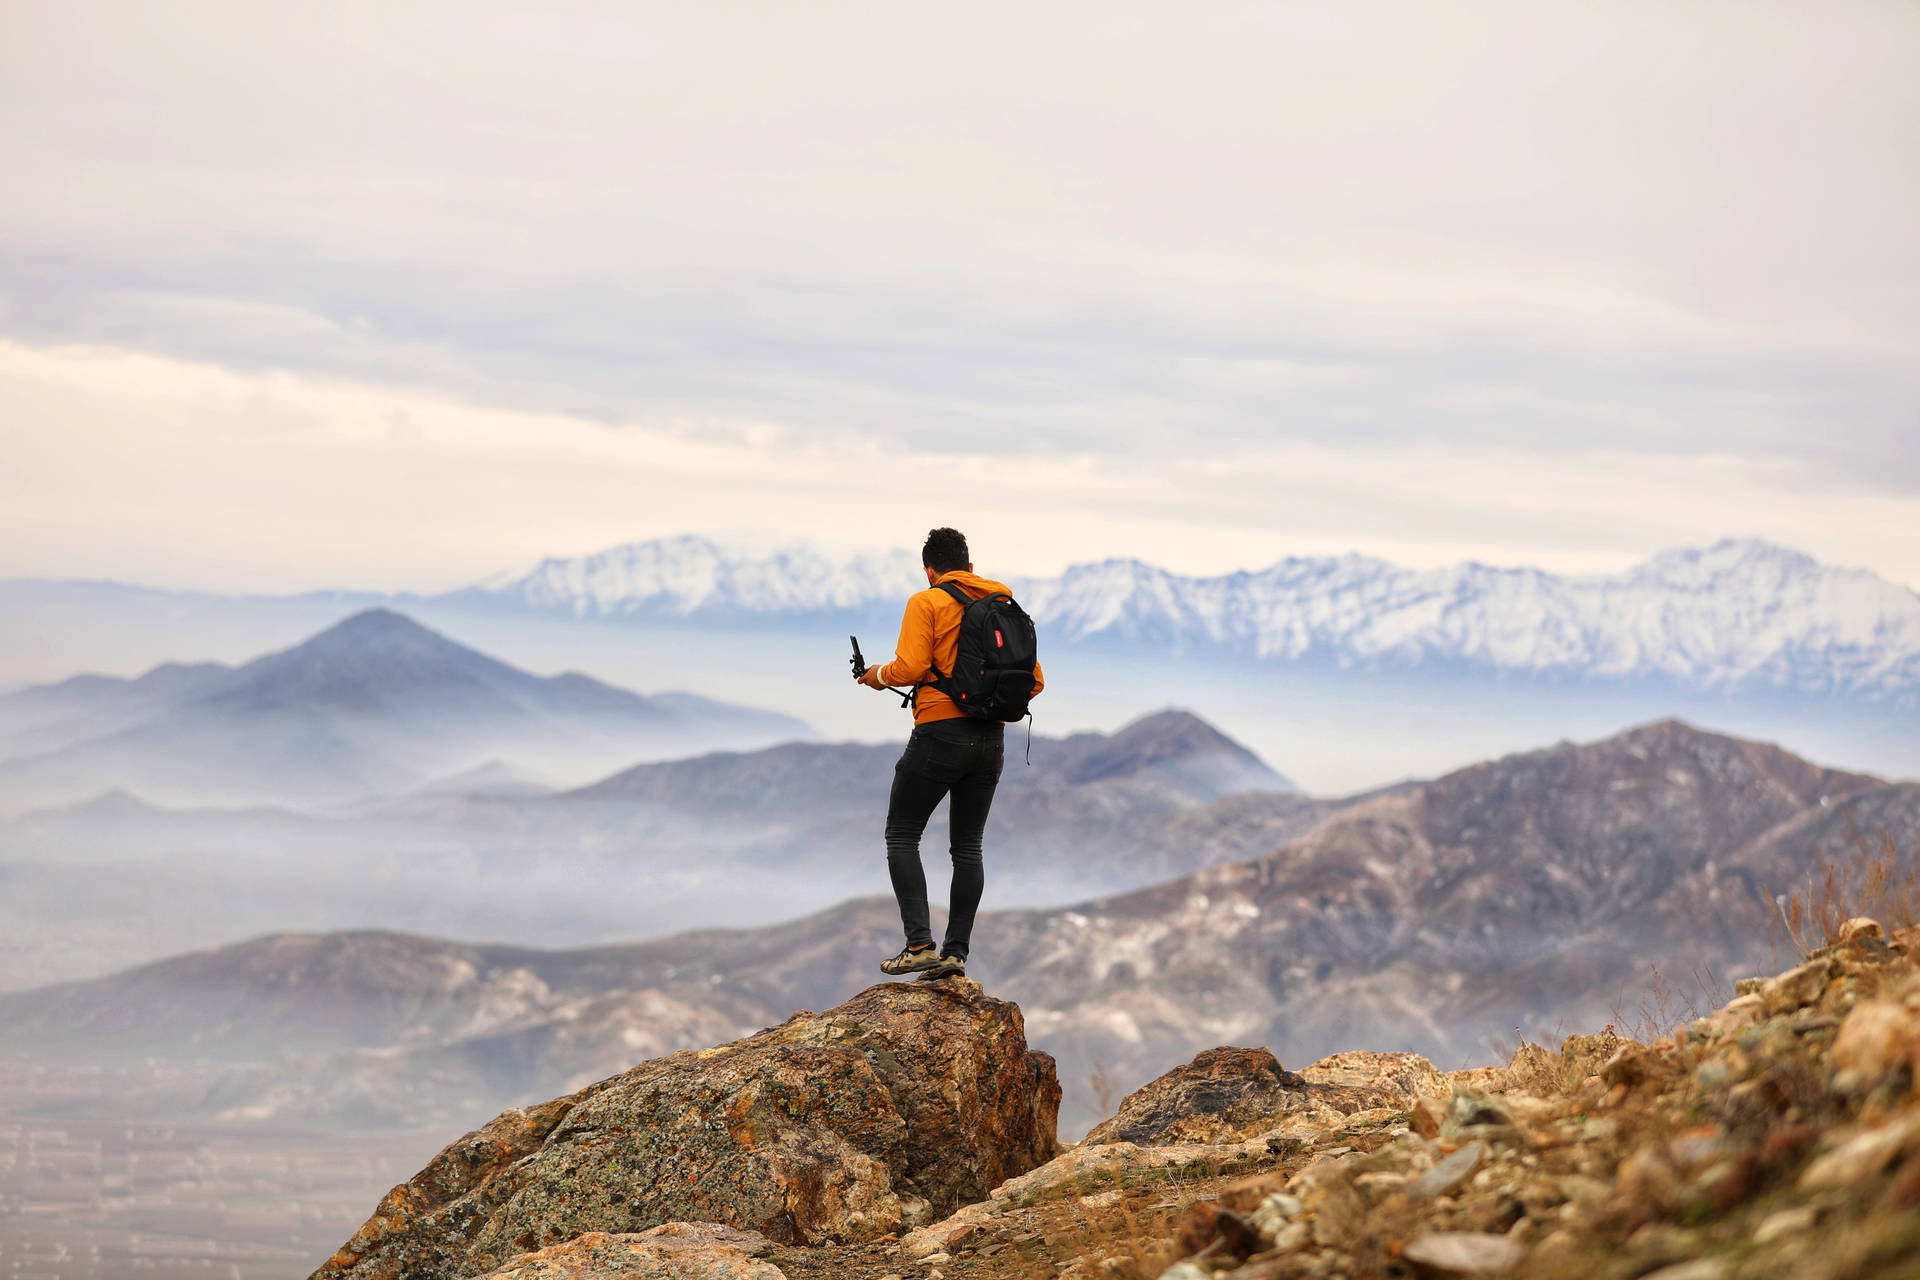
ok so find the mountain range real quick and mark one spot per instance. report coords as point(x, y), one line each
point(376, 703)
point(1435, 918)
point(1739, 614)
point(1345, 671)
point(115, 878)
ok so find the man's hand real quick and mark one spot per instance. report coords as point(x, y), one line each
point(871, 678)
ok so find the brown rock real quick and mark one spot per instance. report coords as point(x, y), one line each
point(823, 1127)
point(1741, 1011)
point(464, 1169)
point(1649, 1178)
point(1693, 1269)
point(1222, 1095)
point(1339, 1212)
point(968, 1223)
point(1630, 1065)
point(671, 1251)
point(1186, 1271)
point(1481, 1079)
point(1467, 1112)
point(1208, 1221)
point(1583, 1055)
point(1376, 1079)
point(1795, 988)
point(1861, 1155)
point(1113, 1160)
point(1860, 929)
point(1427, 1116)
point(1447, 1175)
point(1786, 1144)
point(705, 1235)
point(1792, 1221)
point(1876, 1037)
point(1463, 1253)
point(1535, 1069)
point(1696, 1147)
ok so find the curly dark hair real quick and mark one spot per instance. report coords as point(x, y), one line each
point(945, 550)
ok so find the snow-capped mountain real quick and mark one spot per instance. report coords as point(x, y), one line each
point(1739, 614)
point(679, 577)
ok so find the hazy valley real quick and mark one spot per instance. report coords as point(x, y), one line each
point(114, 879)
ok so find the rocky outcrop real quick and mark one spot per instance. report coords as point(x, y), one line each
point(1231, 1094)
point(907, 1101)
point(1777, 1136)
point(1211, 1099)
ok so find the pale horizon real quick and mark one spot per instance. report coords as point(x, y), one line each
point(755, 543)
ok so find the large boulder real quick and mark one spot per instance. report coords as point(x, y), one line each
point(1231, 1094)
point(908, 1100)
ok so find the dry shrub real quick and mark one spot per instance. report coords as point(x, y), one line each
point(1100, 1083)
point(1873, 880)
point(1663, 1009)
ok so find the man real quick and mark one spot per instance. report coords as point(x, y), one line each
point(949, 753)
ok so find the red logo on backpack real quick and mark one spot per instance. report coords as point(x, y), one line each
point(999, 641)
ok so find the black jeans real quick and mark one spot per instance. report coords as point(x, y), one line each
point(958, 757)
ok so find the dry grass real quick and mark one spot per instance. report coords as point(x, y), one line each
point(1130, 1231)
point(1138, 1242)
point(1874, 880)
point(1663, 1008)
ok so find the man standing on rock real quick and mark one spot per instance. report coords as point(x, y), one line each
point(969, 628)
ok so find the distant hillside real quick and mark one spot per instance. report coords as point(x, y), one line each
point(1546, 884)
point(1175, 754)
point(1092, 813)
point(1543, 885)
point(737, 837)
point(376, 703)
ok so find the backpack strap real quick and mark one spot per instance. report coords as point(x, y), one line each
point(953, 589)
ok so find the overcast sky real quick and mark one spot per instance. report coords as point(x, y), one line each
point(399, 294)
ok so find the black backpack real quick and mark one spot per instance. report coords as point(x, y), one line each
point(992, 677)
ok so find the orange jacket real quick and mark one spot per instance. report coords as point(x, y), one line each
point(930, 637)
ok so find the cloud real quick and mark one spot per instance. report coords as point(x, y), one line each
point(145, 467)
point(1074, 241)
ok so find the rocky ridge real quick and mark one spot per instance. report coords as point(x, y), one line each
point(1777, 1136)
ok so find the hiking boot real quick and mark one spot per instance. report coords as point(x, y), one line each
point(911, 961)
point(946, 967)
